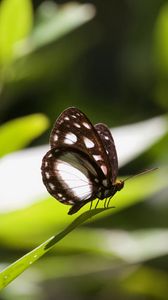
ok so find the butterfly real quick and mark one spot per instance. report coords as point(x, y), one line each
point(82, 164)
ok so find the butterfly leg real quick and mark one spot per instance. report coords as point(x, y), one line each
point(97, 203)
point(105, 203)
point(108, 202)
point(91, 205)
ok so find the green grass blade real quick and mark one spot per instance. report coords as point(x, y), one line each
point(15, 269)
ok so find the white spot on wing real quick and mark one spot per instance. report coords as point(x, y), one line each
point(106, 138)
point(66, 118)
point(97, 157)
point(71, 202)
point(104, 169)
point(77, 125)
point(70, 138)
point(51, 185)
point(88, 143)
point(86, 125)
point(47, 175)
point(55, 137)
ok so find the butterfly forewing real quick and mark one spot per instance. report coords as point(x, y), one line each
point(72, 128)
point(70, 175)
point(110, 149)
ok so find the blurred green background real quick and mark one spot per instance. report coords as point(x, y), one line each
point(109, 59)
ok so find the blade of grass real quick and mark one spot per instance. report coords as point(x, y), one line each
point(15, 269)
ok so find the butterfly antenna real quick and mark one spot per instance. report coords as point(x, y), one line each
point(141, 173)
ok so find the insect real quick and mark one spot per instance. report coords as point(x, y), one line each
point(82, 163)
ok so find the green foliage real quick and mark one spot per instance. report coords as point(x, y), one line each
point(161, 33)
point(55, 23)
point(114, 69)
point(19, 266)
point(15, 24)
point(18, 133)
point(161, 56)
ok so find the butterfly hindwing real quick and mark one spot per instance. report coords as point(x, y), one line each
point(72, 128)
point(70, 175)
point(110, 149)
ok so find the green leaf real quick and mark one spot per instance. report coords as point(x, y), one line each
point(161, 41)
point(14, 270)
point(17, 133)
point(15, 24)
point(55, 22)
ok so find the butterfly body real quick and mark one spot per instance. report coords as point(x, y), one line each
point(82, 163)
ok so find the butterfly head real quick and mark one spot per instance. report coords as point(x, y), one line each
point(119, 184)
point(110, 189)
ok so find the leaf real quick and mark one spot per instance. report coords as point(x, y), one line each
point(141, 136)
point(17, 133)
point(161, 41)
point(15, 24)
point(14, 270)
point(55, 22)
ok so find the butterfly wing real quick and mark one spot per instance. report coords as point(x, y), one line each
point(110, 148)
point(70, 175)
point(73, 128)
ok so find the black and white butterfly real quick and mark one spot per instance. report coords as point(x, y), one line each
point(82, 164)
